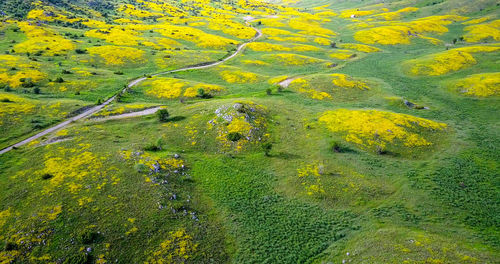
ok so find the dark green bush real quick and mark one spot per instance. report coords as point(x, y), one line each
point(163, 115)
point(234, 136)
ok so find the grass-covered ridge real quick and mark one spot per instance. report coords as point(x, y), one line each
point(250, 131)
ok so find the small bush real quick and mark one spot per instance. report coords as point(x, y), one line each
point(88, 237)
point(336, 146)
point(269, 91)
point(36, 90)
point(152, 147)
point(66, 72)
point(267, 147)
point(5, 100)
point(234, 136)
point(80, 51)
point(118, 72)
point(141, 168)
point(47, 176)
point(79, 258)
point(163, 115)
point(59, 80)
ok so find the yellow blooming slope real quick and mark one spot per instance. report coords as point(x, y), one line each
point(374, 128)
point(480, 85)
point(447, 61)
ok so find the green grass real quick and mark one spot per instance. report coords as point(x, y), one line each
point(433, 204)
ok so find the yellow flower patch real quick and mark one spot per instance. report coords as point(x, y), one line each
point(477, 33)
point(117, 36)
point(480, 85)
point(276, 32)
point(310, 177)
point(289, 39)
point(322, 41)
point(134, 11)
point(374, 128)
point(476, 21)
point(311, 28)
point(303, 47)
point(12, 107)
point(396, 14)
point(114, 55)
point(161, 43)
point(152, 162)
point(195, 35)
point(166, 88)
point(238, 76)
point(49, 13)
point(118, 110)
point(231, 28)
point(177, 248)
point(342, 54)
point(255, 62)
point(96, 24)
point(441, 63)
point(346, 81)
point(479, 48)
point(171, 88)
point(295, 59)
point(264, 46)
point(304, 87)
point(73, 168)
point(402, 32)
point(207, 88)
point(277, 79)
point(271, 22)
point(360, 47)
point(4, 216)
point(42, 39)
point(24, 71)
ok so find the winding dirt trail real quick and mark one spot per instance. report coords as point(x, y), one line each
point(133, 83)
point(148, 111)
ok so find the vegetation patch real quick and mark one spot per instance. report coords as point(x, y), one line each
point(240, 125)
point(479, 85)
point(380, 131)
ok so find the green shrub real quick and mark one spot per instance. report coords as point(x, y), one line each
point(79, 258)
point(234, 136)
point(163, 115)
point(47, 176)
point(88, 237)
point(267, 148)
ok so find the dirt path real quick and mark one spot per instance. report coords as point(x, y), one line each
point(149, 111)
point(287, 81)
point(98, 108)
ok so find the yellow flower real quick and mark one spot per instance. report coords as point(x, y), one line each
point(480, 85)
point(373, 128)
point(114, 55)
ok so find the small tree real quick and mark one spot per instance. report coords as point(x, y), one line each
point(269, 91)
point(267, 148)
point(201, 93)
point(36, 90)
point(163, 115)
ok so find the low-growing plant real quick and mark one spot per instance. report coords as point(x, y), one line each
point(163, 115)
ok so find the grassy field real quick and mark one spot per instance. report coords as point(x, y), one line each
point(383, 147)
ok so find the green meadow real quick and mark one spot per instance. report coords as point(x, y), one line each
point(348, 132)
